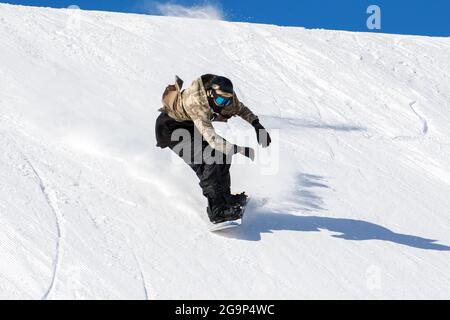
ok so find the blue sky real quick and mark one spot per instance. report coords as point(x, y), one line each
point(423, 17)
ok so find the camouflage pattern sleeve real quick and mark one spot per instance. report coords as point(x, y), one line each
point(244, 112)
point(209, 134)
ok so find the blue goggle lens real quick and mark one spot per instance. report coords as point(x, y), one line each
point(221, 101)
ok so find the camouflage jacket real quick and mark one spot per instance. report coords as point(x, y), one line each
point(192, 104)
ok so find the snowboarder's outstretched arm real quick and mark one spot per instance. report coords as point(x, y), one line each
point(206, 129)
point(261, 133)
point(243, 111)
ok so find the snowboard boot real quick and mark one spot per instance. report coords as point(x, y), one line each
point(220, 207)
point(237, 199)
point(219, 214)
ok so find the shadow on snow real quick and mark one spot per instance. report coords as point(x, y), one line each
point(259, 221)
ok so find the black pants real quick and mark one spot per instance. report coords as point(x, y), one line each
point(214, 177)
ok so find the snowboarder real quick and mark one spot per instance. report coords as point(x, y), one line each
point(209, 98)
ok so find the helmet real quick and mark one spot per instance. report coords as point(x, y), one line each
point(221, 89)
point(222, 85)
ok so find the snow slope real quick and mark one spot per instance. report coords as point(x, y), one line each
point(351, 201)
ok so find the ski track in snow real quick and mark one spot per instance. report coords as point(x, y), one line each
point(144, 285)
point(50, 198)
point(422, 119)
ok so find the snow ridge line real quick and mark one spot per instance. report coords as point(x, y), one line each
point(51, 200)
point(424, 121)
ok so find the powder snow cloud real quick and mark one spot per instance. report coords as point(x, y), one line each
point(204, 11)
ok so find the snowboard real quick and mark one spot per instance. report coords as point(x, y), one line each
point(225, 225)
point(229, 224)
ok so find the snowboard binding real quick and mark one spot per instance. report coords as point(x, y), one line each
point(224, 214)
point(232, 216)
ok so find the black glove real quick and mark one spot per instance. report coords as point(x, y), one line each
point(245, 151)
point(261, 134)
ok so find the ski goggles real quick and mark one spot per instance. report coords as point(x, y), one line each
point(222, 101)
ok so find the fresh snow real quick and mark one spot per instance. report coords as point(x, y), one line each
point(351, 200)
